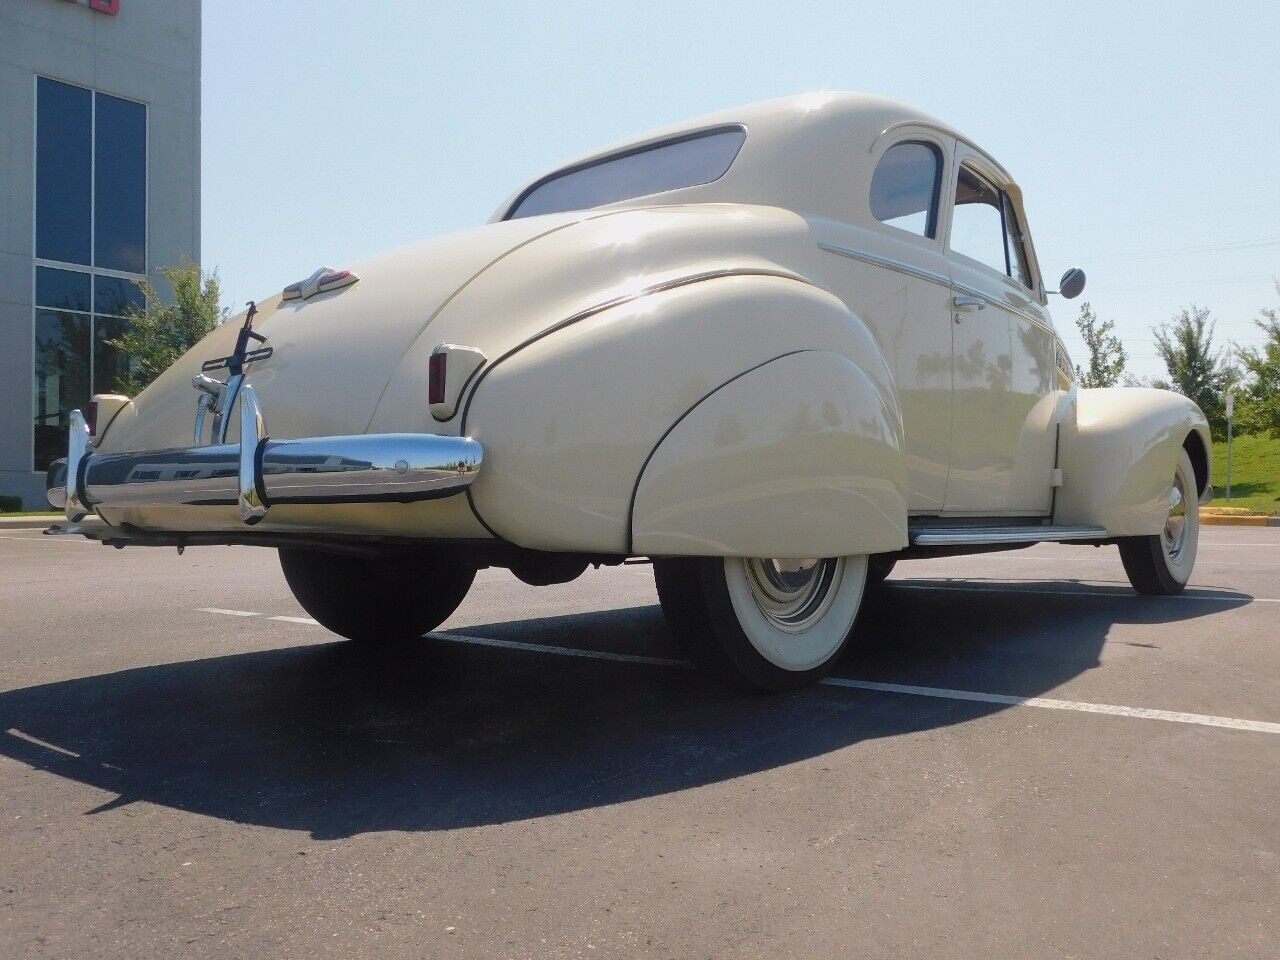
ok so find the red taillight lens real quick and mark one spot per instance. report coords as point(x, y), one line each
point(91, 417)
point(435, 377)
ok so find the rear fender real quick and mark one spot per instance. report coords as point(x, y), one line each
point(799, 457)
point(569, 420)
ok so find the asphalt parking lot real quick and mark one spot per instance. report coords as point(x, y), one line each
point(1021, 758)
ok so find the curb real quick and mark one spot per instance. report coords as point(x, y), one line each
point(1237, 520)
point(37, 522)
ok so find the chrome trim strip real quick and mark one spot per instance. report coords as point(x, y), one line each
point(1004, 305)
point(946, 131)
point(887, 262)
point(913, 271)
point(962, 536)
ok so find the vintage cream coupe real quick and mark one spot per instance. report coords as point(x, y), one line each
point(774, 350)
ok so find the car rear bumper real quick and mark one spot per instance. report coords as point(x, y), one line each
point(259, 472)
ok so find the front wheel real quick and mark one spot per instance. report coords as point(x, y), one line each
point(376, 600)
point(1162, 565)
point(762, 624)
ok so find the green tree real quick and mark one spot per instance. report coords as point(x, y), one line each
point(163, 330)
point(1196, 369)
point(1107, 356)
point(1258, 407)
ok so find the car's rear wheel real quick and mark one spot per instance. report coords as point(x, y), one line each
point(1161, 565)
point(376, 600)
point(762, 624)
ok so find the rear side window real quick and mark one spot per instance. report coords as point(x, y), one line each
point(685, 162)
point(904, 188)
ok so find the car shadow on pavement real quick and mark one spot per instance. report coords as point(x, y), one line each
point(338, 740)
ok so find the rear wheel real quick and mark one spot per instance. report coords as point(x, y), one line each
point(763, 624)
point(376, 600)
point(1162, 565)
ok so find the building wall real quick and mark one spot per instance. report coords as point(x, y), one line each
point(148, 52)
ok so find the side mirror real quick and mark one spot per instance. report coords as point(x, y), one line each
point(1071, 285)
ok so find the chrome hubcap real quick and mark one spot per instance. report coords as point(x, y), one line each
point(793, 594)
point(1175, 527)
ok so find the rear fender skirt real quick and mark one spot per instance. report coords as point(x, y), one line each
point(799, 457)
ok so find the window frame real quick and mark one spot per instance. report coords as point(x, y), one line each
point(91, 269)
point(934, 220)
point(1011, 239)
point(1007, 202)
point(951, 223)
point(632, 151)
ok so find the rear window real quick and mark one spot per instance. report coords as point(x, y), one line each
point(685, 162)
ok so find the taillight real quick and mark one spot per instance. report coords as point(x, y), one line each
point(91, 417)
point(435, 377)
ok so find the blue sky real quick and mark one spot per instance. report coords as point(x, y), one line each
point(1146, 137)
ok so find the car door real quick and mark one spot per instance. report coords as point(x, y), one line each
point(1004, 388)
point(892, 269)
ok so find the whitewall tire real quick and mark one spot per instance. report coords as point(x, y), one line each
point(1161, 565)
point(763, 624)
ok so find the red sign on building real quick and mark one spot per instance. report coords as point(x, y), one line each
point(109, 7)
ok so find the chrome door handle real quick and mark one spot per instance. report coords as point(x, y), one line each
point(966, 304)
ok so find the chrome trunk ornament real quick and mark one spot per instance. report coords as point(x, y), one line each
point(218, 397)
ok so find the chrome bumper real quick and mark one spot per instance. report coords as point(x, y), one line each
point(259, 472)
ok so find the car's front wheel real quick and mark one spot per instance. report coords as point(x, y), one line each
point(763, 624)
point(1162, 565)
point(375, 599)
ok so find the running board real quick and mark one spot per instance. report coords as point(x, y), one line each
point(956, 536)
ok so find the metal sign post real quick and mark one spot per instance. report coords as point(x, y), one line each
point(1231, 413)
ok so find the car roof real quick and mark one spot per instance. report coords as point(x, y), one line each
point(800, 150)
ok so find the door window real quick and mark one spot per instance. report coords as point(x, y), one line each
point(904, 188)
point(977, 225)
point(985, 227)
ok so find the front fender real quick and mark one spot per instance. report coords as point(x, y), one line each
point(1118, 455)
point(800, 457)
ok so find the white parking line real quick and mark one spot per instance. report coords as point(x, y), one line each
point(559, 651)
point(61, 538)
point(1043, 703)
point(1145, 713)
point(1015, 588)
point(13, 732)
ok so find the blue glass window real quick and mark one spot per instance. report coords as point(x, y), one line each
point(109, 364)
point(120, 186)
point(62, 289)
point(61, 381)
point(91, 209)
point(64, 119)
point(115, 296)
